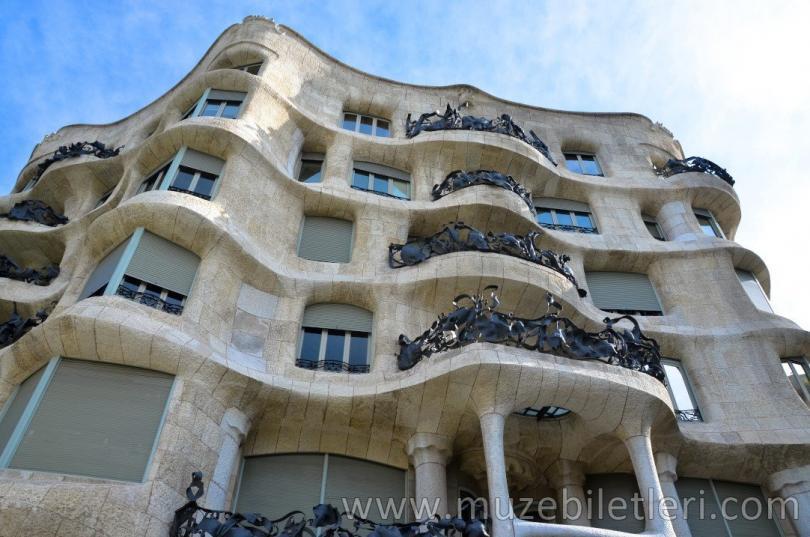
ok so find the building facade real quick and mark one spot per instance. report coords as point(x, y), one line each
point(242, 279)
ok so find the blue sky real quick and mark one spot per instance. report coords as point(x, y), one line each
point(731, 80)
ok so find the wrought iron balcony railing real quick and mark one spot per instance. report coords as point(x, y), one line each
point(35, 211)
point(10, 269)
point(692, 414)
point(186, 191)
point(459, 179)
point(193, 520)
point(77, 149)
point(149, 299)
point(452, 120)
point(332, 365)
point(459, 237)
point(694, 164)
point(16, 326)
point(476, 319)
point(564, 227)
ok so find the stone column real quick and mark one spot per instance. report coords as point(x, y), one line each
point(429, 454)
point(234, 427)
point(793, 486)
point(677, 222)
point(500, 508)
point(568, 478)
point(337, 167)
point(667, 474)
point(640, 450)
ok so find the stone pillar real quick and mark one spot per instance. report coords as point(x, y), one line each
point(337, 167)
point(793, 486)
point(667, 474)
point(429, 454)
point(500, 508)
point(568, 478)
point(234, 427)
point(640, 450)
point(677, 222)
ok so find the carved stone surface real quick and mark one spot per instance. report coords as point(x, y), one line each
point(192, 520)
point(97, 149)
point(16, 327)
point(452, 120)
point(694, 164)
point(459, 237)
point(43, 276)
point(478, 321)
point(459, 179)
point(35, 211)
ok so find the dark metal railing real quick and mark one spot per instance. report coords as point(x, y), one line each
point(694, 164)
point(150, 300)
point(77, 149)
point(563, 227)
point(332, 365)
point(692, 414)
point(35, 211)
point(185, 191)
point(458, 179)
point(10, 269)
point(16, 326)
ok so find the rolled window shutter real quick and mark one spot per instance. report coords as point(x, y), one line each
point(561, 204)
point(745, 525)
point(615, 486)
point(326, 239)
point(14, 408)
point(96, 419)
point(103, 271)
point(338, 317)
point(226, 95)
point(277, 484)
point(163, 263)
point(622, 291)
point(754, 290)
point(202, 162)
point(710, 524)
point(379, 169)
point(360, 482)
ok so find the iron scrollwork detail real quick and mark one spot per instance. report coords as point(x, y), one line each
point(77, 149)
point(452, 120)
point(193, 520)
point(17, 326)
point(458, 179)
point(10, 269)
point(692, 414)
point(476, 319)
point(35, 211)
point(694, 164)
point(459, 237)
point(149, 299)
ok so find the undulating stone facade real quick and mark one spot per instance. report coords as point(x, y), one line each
point(233, 342)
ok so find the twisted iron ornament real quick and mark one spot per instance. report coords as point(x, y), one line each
point(694, 164)
point(10, 269)
point(16, 326)
point(459, 237)
point(35, 211)
point(192, 520)
point(479, 321)
point(458, 179)
point(76, 149)
point(452, 120)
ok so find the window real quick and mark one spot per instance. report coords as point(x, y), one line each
point(103, 199)
point(625, 293)
point(680, 392)
point(708, 224)
point(309, 171)
point(29, 185)
point(157, 273)
point(613, 507)
point(190, 172)
point(582, 163)
point(326, 239)
point(564, 215)
point(797, 370)
point(85, 418)
point(154, 181)
point(217, 103)
point(705, 500)
point(754, 290)
point(373, 126)
point(653, 228)
point(381, 180)
point(310, 479)
point(546, 412)
point(335, 337)
point(252, 68)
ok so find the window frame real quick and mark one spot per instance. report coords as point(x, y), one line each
point(103, 199)
point(247, 66)
point(683, 414)
point(705, 213)
point(200, 104)
point(793, 363)
point(166, 174)
point(373, 176)
point(164, 293)
point(573, 215)
point(579, 155)
point(309, 157)
point(650, 221)
point(374, 120)
point(321, 363)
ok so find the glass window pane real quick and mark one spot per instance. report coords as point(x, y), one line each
point(572, 163)
point(130, 284)
point(706, 225)
point(584, 220)
point(544, 216)
point(310, 344)
point(365, 124)
point(310, 171)
point(360, 179)
point(210, 109)
point(349, 121)
point(401, 189)
point(564, 219)
point(652, 227)
point(381, 184)
point(677, 385)
point(358, 349)
point(205, 185)
point(334, 345)
point(382, 128)
point(174, 299)
point(231, 109)
point(590, 166)
point(253, 69)
point(183, 178)
point(152, 291)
